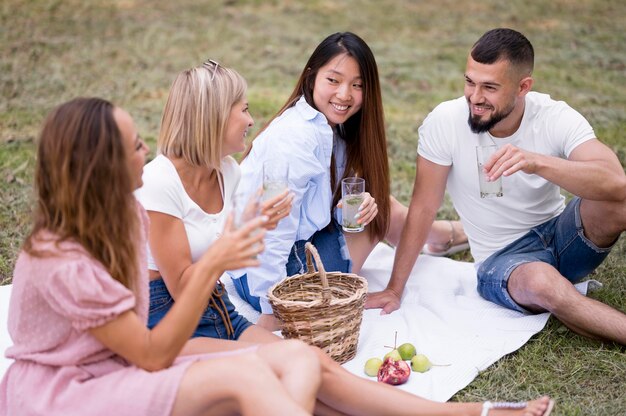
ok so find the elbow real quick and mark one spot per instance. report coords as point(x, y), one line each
point(622, 189)
point(156, 363)
point(617, 192)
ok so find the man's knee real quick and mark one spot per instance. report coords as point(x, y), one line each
point(541, 285)
point(533, 282)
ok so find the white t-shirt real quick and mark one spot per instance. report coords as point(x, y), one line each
point(163, 191)
point(548, 127)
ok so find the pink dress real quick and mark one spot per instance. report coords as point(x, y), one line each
point(60, 368)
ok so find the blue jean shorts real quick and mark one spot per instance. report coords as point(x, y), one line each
point(211, 324)
point(331, 246)
point(560, 242)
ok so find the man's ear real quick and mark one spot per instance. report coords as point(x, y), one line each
point(525, 85)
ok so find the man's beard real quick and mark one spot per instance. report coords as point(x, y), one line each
point(478, 126)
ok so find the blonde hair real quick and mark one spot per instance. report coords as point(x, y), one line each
point(196, 113)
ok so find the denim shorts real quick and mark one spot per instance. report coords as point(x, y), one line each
point(211, 324)
point(331, 246)
point(560, 242)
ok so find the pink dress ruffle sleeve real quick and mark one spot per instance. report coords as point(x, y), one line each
point(60, 368)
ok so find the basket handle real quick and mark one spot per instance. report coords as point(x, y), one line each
point(311, 250)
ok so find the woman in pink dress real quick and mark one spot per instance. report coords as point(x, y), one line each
point(79, 303)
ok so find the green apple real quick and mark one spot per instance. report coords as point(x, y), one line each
point(421, 363)
point(372, 365)
point(394, 355)
point(407, 351)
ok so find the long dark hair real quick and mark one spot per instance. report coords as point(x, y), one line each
point(364, 132)
point(84, 187)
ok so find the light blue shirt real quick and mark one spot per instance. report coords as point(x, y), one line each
point(302, 137)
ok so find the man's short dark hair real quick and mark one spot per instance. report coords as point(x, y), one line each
point(502, 43)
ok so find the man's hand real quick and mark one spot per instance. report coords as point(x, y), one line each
point(510, 159)
point(388, 300)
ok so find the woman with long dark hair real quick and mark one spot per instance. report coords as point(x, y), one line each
point(331, 127)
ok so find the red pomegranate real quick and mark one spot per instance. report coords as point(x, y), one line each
point(394, 372)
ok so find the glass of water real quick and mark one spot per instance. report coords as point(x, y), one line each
point(488, 189)
point(275, 178)
point(352, 190)
point(246, 208)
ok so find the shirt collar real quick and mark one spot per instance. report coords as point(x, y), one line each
point(306, 111)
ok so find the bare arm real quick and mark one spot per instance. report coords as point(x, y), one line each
point(591, 172)
point(170, 248)
point(428, 192)
point(156, 349)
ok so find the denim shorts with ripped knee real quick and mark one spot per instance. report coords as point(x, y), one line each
point(560, 242)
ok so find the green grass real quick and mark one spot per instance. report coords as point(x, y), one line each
point(130, 50)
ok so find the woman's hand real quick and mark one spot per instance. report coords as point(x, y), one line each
point(367, 211)
point(277, 208)
point(236, 248)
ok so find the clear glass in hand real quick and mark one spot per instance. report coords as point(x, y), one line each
point(352, 190)
point(275, 178)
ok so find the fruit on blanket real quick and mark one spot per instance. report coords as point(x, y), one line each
point(394, 372)
point(372, 366)
point(407, 351)
point(394, 355)
point(420, 363)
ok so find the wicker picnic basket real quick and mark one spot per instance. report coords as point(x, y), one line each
point(321, 308)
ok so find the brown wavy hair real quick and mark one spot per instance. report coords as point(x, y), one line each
point(364, 132)
point(84, 189)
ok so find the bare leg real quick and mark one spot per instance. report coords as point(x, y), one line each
point(269, 322)
point(360, 245)
point(258, 335)
point(247, 385)
point(539, 287)
point(343, 392)
point(297, 367)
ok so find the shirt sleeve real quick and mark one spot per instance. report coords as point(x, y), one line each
point(434, 142)
point(161, 192)
point(84, 293)
point(568, 129)
point(305, 172)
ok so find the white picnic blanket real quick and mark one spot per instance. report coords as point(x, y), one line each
point(441, 314)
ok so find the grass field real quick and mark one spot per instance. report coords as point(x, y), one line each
point(128, 51)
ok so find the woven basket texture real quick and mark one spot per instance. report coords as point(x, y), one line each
point(321, 308)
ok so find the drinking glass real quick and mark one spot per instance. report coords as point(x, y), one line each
point(352, 190)
point(488, 189)
point(275, 178)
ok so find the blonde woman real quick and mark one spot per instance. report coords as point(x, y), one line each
point(189, 187)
